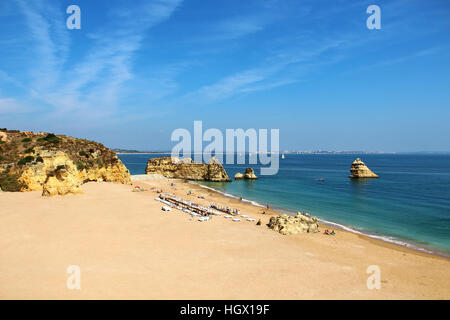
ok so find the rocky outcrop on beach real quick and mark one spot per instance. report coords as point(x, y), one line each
point(174, 167)
point(286, 224)
point(359, 169)
point(55, 164)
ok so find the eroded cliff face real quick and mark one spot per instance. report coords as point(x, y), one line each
point(56, 164)
point(359, 169)
point(173, 167)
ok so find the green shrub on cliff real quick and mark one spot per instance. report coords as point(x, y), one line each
point(51, 138)
point(10, 182)
point(80, 165)
point(99, 162)
point(83, 154)
point(26, 140)
point(29, 150)
point(25, 160)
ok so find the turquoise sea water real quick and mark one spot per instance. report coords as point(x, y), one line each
point(409, 204)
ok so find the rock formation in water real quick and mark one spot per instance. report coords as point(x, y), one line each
point(55, 164)
point(238, 176)
point(174, 167)
point(358, 169)
point(250, 174)
point(286, 224)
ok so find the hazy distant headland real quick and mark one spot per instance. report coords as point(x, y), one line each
point(128, 151)
point(131, 151)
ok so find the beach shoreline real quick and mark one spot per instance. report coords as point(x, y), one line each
point(379, 239)
point(128, 248)
point(395, 242)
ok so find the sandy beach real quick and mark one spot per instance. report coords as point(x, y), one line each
point(128, 248)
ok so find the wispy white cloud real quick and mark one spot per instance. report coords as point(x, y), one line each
point(90, 87)
point(237, 27)
point(11, 106)
point(290, 43)
point(284, 66)
point(5, 77)
point(87, 87)
point(400, 59)
point(109, 63)
point(51, 41)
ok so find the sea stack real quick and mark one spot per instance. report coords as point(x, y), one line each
point(174, 167)
point(238, 176)
point(359, 169)
point(250, 174)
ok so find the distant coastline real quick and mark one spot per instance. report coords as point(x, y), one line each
point(117, 152)
point(125, 151)
point(120, 151)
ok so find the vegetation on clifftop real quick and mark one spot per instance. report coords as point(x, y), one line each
point(10, 182)
point(19, 150)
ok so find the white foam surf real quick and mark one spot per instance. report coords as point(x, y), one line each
point(384, 238)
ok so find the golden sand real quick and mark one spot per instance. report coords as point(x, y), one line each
point(128, 248)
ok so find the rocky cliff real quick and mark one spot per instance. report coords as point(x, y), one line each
point(55, 164)
point(286, 224)
point(173, 167)
point(359, 169)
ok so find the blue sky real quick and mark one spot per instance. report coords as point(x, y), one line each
point(137, 70)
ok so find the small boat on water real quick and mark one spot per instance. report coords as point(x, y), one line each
point(282, 156)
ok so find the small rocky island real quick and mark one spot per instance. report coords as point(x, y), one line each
point(359, 169)
point(55, 164)
point(248, 174)
point(174, 167)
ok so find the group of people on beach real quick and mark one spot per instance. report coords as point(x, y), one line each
point(206, 212)
point(181, 204)
point(225, 209)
